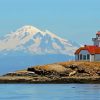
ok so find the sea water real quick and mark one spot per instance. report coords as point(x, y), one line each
point(49, 91)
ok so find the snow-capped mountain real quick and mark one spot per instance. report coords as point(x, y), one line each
point(29, 39)
point(30, 46)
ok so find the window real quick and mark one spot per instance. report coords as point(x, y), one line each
point(80, 56)
point(84, 57)
point(88, 56)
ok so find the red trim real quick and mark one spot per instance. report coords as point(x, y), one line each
point(90, 49)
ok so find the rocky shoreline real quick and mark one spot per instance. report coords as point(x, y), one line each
point(44, 80)
point(58, 73)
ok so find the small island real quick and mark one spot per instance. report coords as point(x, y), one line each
point(85, 69)
point(63, 72)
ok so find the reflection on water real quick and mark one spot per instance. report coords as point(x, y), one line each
point(49, 92)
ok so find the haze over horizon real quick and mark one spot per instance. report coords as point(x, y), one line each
point(70, 19)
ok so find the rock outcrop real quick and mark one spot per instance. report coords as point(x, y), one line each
point(65, 72)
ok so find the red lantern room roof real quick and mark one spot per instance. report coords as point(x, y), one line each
point(98, 33)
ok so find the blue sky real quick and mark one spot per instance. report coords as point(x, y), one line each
point(76, 20)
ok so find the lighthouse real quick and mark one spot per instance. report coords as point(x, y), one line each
point(96, 41)
point(89, 52)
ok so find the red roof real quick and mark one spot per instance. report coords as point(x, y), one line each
point(98, 33)
point(90, 49)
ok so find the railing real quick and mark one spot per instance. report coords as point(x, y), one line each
point(96, 38)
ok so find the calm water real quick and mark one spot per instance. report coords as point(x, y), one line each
point(49, 92)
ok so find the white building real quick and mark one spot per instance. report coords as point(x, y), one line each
point(89, 52)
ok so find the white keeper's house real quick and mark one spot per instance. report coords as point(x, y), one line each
point(89, 52)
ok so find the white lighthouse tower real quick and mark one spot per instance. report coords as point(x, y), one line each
point(96, 40)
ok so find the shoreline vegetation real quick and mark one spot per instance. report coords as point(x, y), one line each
point(58, 73)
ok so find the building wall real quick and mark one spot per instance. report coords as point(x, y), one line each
point(76, 57)
point(97, 57)
point(97, 42)
point(83, 52)
point(92, 58)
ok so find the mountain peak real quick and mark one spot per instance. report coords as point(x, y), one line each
point(32, 40)
point(33, 30)
point(29, 29)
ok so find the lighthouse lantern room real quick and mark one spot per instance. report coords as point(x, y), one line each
point(96, 40)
